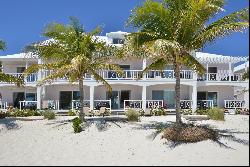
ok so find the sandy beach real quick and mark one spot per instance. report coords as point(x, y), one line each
point(43, 142)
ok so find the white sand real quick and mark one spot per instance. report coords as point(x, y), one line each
point(43, 142)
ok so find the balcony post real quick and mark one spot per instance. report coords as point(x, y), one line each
point(39, 97)
point(230, 71)
point(194, 98)
point(144, 97)
point(91, 97)
point(144, 66)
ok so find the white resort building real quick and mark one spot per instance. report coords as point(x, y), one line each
point(216, 88)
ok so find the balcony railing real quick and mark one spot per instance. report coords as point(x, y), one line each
point(205, 104)
point(169, 74)
point(3, 105)
point(234, 104)
point(222, 76)
point(97, 104)
point(29, 79)
point(27, 105)
point(186, 104)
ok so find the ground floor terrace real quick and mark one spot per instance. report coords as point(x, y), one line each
point(66, 96)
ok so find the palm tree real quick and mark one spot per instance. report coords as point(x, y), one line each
point(170, 30)
point(2, 45)
point(6, 77)
point(73, 53)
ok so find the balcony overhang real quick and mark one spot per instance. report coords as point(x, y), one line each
point(19, 57)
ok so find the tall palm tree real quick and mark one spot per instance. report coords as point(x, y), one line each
point(2, 45)
point(170, 30)
point(6, 77)
point(73, 53)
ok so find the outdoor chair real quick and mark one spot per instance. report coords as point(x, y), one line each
point(87, 111)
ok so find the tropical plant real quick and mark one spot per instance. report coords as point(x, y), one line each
point(2, 45)
point(74, 54)
point(169, 31)
point(132, 115)
point(6, 77)
point(77, 125)
point(49, 115)
point(246, 75)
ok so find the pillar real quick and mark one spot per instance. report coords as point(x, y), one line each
point(144, 97)
point(91, 97)
point(39, 88)
point(194, 98)
point(144, 66)
point(230, 71)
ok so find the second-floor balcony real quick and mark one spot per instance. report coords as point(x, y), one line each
point(151, 75)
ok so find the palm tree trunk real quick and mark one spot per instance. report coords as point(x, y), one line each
point(178, 93)
point(81, 114)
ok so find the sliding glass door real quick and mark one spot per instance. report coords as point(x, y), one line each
point(168, 97)
point(117, 98)
point(66, 98)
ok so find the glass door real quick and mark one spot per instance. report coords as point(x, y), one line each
point(125, 95)
point(213, 96)
point(114, 96)
point(65, 100)
point(18, 96)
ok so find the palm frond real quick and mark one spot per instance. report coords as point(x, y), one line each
point(19, 81)
point(2, 45)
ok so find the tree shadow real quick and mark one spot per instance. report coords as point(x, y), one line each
point(227, 134)
point(101, 123)
point(9, 123)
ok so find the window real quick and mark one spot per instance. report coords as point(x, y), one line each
point(168, 97)
point(20, 69)
point(118, 41)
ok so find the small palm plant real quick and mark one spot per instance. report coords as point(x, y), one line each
point(169, 31)
point(73, 53)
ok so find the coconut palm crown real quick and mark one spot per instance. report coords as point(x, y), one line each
point(170, 31)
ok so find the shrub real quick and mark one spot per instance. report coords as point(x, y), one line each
point(72, 113)
point(23, 113)
point(2, 115)
point(201, 112)
point(186, 111)
point(132, 115)
point(158, 112)
point(216, 114)
point(77, 125)
point(49, 115)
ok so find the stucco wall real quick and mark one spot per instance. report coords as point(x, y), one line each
point(7, 93)
point(224, 93)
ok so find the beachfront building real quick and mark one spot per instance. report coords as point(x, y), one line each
point(156, 88)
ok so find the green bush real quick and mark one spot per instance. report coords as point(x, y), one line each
point(216, 114)
point(71, 113)
point(132, 115)
point(158, 112)
point(201, 112)
point(186, 112)
point(49, 115)
point(2, 115)
point(23, 113)
point(77, 125)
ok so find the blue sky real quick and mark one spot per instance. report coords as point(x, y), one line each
point(22, 21)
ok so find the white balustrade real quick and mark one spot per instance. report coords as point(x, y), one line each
point(186, 104)
point(132, 104)
point(154, 103)
point(205, 104)
point(3, 105)
point(30, 78)
point(27, 104)
point(234, 104)
point(97, 103)
point(221, 76)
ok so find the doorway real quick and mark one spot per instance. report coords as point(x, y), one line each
point(117, 98)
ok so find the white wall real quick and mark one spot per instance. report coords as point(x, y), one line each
point(184, 90)
point(52, 92)
point(224, 93)
point(11, 67)
point(7, 93)
point(136, 91)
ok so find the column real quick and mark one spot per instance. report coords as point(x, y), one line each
point(91, 96)
point(39, 97)
point(144, 66)
point(39, 88)
point(144, 97)
point(230, 71)
point(194, 98)
point(207, 73)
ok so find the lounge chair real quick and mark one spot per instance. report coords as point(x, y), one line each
point(100, 112)
point(147, 112)
point(87, 111)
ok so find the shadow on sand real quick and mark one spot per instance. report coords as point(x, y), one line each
point(101, 123)
point(9, 123)
point(226, 134)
